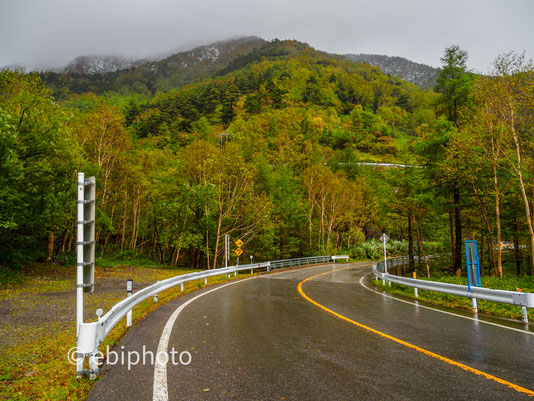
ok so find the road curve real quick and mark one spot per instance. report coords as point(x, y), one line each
point(260, 339)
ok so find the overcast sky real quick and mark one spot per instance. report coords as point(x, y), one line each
point(53, 32)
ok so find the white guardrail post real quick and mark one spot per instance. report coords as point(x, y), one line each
point(129, 290)
point(523, 299)
point(91, 335)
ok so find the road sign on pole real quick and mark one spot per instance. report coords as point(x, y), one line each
point(473, 266)
point(473, 269)
point(238, 251)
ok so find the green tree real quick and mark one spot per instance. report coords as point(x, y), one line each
point(511, 97)
point(454, 84)
point(229, 99)
point(38, 162)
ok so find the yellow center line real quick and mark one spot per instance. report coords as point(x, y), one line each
point(406, 344)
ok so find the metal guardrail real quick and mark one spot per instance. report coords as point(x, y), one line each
point(523, 299)
point(277, 264)
point(92, 334)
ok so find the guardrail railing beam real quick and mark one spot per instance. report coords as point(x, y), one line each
point(523, 299)
point(92, 334)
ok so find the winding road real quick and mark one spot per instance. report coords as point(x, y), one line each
point(319, 333)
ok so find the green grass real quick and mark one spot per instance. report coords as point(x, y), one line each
point(8, 276)
point(508, 282)
point(37, 367)
point(129, 258)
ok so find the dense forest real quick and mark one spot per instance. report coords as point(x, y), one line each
point(273, 146)
point(421, 75)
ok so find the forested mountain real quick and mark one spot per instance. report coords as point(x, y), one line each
point(100, 74)
point(263, 141)
point(92, 74)
point(421, 75)
point(100, 64)
point(287, 75)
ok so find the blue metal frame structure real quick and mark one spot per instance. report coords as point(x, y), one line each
point(473, 265)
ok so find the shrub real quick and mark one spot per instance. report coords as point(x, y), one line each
point(374, 250)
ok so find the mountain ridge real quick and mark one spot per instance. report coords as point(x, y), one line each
point(99, 74)
point(90, 64)
point(158, 75)
point(419, 74)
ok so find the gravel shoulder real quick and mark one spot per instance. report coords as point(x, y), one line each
point(38, 318)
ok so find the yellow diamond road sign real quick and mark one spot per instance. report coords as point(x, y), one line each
point(239, 243)
point(238, 251)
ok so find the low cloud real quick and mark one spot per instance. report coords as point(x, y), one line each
point(53, 32)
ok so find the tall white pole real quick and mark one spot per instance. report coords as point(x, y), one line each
point(226, 240)
point(79, 253)
point(226, 246)
point(385, 259)
point(79, 264)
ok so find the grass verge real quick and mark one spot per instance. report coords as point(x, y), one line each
point(509, 283)
point(33, 356)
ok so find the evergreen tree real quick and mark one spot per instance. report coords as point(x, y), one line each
point(229, 99)
point(454, 84)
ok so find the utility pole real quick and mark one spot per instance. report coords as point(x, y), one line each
point(224, 135)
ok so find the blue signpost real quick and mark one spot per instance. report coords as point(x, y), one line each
point(473, 266)
point(473, 269)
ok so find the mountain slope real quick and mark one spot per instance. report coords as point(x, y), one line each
point(287, 90)
point(99, 74)
point(100, 64)
point(163, 75)
point(421, 75)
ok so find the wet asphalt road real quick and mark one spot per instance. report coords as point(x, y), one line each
point(261, 340)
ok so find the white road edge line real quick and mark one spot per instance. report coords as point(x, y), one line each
point(442, 311)
point(160, 389)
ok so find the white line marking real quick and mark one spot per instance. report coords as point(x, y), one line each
point(160, 389)
point(442, 311)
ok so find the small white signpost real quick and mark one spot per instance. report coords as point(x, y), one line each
point(384, 238)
